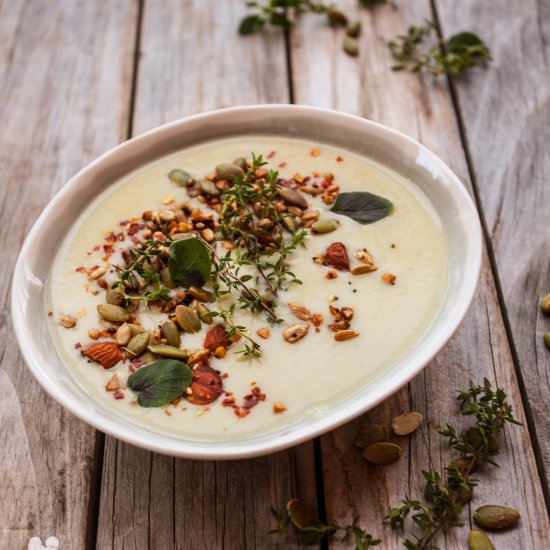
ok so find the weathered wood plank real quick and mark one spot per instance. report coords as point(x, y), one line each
point(64, 88)
point(507, 127)
point(150, 501)
point(324, 76)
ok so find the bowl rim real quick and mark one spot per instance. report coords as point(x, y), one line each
point(209, 450)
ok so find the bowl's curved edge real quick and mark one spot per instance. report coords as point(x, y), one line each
point(19, 296)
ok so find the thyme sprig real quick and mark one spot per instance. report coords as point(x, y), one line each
point(316, 530)
point(451, 56)
point(140, 274)
point(446, 494)
point(250, 219)
point(252, 348)
point(283, 13)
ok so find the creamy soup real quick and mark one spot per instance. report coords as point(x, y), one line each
point(368, 292)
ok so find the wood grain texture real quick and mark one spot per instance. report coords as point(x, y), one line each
point(506, 112)
point(64, 90)
point(422, 108)
point(192, 60)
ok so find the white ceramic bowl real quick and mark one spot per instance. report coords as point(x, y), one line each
point(392, 148)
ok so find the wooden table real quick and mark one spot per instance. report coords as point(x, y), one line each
point(78, 77)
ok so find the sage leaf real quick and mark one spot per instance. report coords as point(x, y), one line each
point(189, 262)
point(160, 382)
point(362, 206)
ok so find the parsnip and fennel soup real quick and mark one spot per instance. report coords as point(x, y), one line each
point(244, 284)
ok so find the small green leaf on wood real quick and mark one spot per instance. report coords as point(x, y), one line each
point(251, 24)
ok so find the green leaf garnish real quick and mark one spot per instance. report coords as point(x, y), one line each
point(251, 24)
point(362, 206)
point(189, 262)
point(160, 382)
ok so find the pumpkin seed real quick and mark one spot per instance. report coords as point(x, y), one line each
point(293, 197)
point(295, 333)
point(289, 223)
point(545, 304)
point(147, 357)
point(228, 171)
point(136, 329)
point(180, 177)
point(463, 464)
point(241, 163)
point(138, 344)
point(209, 188)
point(168, 351)
point(171, 333)
point(546, 339)
point(370, 434)
point(478, 540)
point(354, 29)
point(187, 319)
point(324, 226)
point(123, 335)
point(351, 46)
point(115, 314)
point(202, 312)
point(464, 495)
point(336, 17)
point(201, 294)
point(115, 296)
point(382, 453)
point(407, 423)
point(299, 513)
point(492, 516)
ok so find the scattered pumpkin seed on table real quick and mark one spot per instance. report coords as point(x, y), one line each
point(478, 540)
point(369, 434)
point(493, 516)
point(406, 423)
point(382, 453)
point(545, 304)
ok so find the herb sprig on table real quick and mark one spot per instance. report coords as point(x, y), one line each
point(445, 494)
point(451, 56)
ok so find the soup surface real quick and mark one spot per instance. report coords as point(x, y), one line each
point(350, 321)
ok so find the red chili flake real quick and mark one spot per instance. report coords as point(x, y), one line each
point(225, 375)
point(118, 395)
point(102, 283)
point(272, 154)
point(135, 240)
point(108, 247)
point(124, 222)
point(120, 236)
point(80, 269)
point(306, 179)
point(339, 159)
point(78, 345)
point(206, 386)
point(228, 402)
point(110, 237)
point(324, 184)
point(337, 257)
point(282, 165)
point(133, 229)
point(96, 248)
point(241, 413)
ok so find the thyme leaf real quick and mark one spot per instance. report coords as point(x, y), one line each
point(451, 57)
